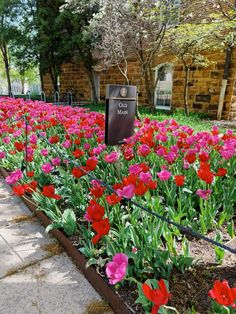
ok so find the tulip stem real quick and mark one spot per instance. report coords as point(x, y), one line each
point(28, 200)
point(170, 308)
point(132, 279)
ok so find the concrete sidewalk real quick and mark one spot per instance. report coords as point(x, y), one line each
point(36, 275)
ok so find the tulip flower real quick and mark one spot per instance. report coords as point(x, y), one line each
point(159, 296)
point(164, 175)
point(112, 157)
point(223, 294)
point(127, 191)
point(116, 269)
point(205, 194)
point(14, 177)
point(179, 180)
point(49, 191)
point(102, 228)
point(47, 168)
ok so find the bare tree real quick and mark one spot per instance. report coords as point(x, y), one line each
point(133, 28)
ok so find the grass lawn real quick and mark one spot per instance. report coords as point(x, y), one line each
point(198, 122)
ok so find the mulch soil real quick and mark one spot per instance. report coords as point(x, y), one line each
point(190, 289)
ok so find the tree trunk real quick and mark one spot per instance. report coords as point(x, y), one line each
point(41, 75)
point(22, 85)
point(186, 107)
point(94, 92)
point(7, 66)
point(148, 92)
point(54, 78)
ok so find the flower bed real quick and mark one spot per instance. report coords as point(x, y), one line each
point(187, 177)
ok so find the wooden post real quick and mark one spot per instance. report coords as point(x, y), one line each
point(224, 82)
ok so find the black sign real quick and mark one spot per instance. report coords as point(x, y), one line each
point(120, 113)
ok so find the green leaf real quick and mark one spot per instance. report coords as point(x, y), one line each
point(91, 261)
point(187, 191)
point(69, 223)
point(52, 226)
point(231, 229)
point(220, 253)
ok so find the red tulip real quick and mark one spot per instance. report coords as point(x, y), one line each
point(102, 228)
point(53, 139)
point(152, 185)
point(223, 294)
point(140, 189)
point(159, 296)
point(19, 190)
point(78, 153)
point(97, 191)
point(91, 163)
point(190, 157)
point(179, 180)
point(204, 173)
point(113, 199)
point(77, 173)
point(30, 174)
point(19, 146)
point(94, 212)
point(221, 172)
point(32, 186)
point(49, 191)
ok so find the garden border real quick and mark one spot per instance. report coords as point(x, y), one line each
point(114, 300)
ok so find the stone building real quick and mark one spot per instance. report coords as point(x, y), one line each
point(205, 83)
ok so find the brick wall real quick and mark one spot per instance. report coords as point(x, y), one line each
point(232, 112)
point(204, 83)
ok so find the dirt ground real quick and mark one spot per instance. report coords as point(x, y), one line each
point(191, 288)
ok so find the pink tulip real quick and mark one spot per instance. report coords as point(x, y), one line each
point(98, 150)
point(14, 177)
point(116, 270)
point(112, 157)
point(145, 177)
point(87, 146)
point(17, 133)
point(144, 150)
point(134, 169)
point(2, 155)
point(127, 191)
point(56, 161)
point(6, 140)
point(33, 139)
point(44, 152)
point(164, 175)
point(66, 144)
point(47, 168)
point(205, 194)
point(161, 152)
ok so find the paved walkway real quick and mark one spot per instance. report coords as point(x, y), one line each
point(36, 275)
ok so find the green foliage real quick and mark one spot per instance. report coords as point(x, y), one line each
point(77, 42)
point(48, 39)
point(66, 221)
point(231, 229)
point(15, 16)
point(220, 309)
point(220, 253)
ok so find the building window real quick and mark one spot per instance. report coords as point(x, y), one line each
point(163, 91)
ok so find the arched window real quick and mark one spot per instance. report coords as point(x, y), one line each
point(164, 83)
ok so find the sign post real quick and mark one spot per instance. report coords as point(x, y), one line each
point(121, 101)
